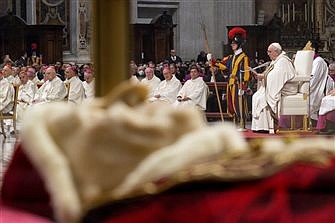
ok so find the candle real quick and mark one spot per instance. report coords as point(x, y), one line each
point(312, 14)
point(283, 14)
point(293, 13)
point(288, 13)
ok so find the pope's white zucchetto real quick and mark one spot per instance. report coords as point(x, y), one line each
point(276, 45)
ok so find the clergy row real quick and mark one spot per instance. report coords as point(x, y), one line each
point(32, 91)
point(192, 94)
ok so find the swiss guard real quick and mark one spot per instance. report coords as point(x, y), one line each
point(239, 76)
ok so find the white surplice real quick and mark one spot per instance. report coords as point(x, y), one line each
point(168, 90)
point(197, 91)
point(89, 89)
point(152, 84)
point(270, 91)
point(25, 98)
point(6, 96)
point(76, 92)
point(51, 91)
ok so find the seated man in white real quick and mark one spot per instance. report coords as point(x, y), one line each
point(273, 86)
point(6, 94)
point(194, 92)
point(89, 84)
point(76, 92)
point(26, 95)
point(52, 90)
point(168, 89)
point(150, 80)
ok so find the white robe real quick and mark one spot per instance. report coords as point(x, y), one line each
point(327, 104)
point(25, 98)
point(279, 72)
point(330, 84)
point(168, 90)
point(197, 91)
point(76, 91)
point(151, 84)
point(89, 89)
point(13, 80)
point(6, 96)
point(51, 91)
point(317, 85)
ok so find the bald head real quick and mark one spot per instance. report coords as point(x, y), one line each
point(149, 73)
point(50, 73)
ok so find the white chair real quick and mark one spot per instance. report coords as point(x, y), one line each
point(299, 104)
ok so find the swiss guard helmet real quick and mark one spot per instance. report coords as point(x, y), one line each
point(237, 35)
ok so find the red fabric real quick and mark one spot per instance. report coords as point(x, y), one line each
point(300, 193)
point(11, 215)
point(23, 187)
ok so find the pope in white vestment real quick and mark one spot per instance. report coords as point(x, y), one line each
point(168, 89)
point(193, 93)
point(274, 85)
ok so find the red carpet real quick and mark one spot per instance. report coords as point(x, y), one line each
point(249, 134)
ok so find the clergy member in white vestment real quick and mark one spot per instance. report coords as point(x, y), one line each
point(272, 85)
point(168, 89)
point(26, 95)
point(150, 80)
point(6, 94)
point(89, 84)
point(76, 91)
point(318, 82)
point(194, 92)
point(52, 90)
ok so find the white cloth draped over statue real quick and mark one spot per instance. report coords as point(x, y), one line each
point(197, 91)
point(270, 91)
point(317, 85)
point(168, 90)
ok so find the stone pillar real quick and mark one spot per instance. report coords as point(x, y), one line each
point(31, 12)
point(319, 16)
